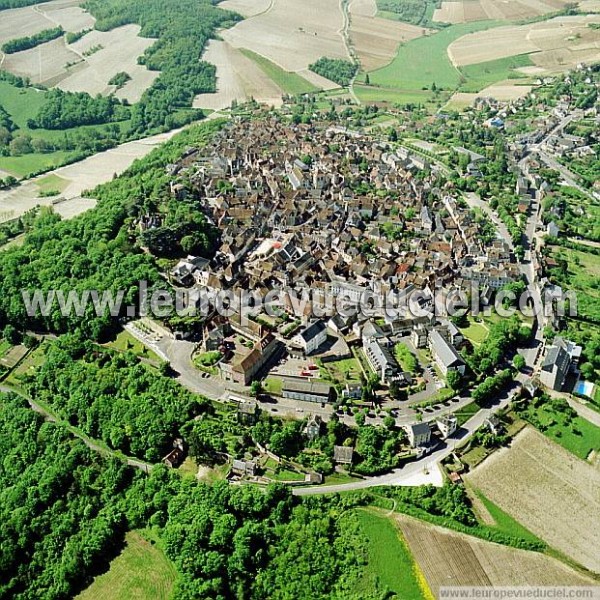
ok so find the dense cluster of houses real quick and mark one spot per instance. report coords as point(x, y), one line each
point(332, 213)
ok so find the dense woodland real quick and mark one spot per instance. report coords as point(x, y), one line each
point(182, 30)
point(417, 12)
point(112, 397)
point(65, 511)
point(93, 251)
point(63, 110)
point(335, 69)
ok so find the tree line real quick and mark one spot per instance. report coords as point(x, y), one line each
point(5, 4)
point(25, 43)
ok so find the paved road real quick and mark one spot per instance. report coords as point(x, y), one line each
point(407, 474)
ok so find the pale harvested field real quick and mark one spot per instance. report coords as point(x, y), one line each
point(47, 64)
point(550, 491)
point(464, 11)
point(21, 22)
point(80, 176)
point(557, 43)
point(590, 6)
point(447, 558)
point(246, 8)
point(460, 12)
point(376, 40)
point(292, 35)
point(67, 14)
point(121, 49)
point(363, 8)
point(44, 64)
point(492, 9)
point(460, 100)
point(499, 42)
point(238, 78)
point(318, 80)
point(505, 91)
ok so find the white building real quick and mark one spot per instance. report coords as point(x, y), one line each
point(311, 338)
point(445, 355)
point(419, 434)
point(447, 425)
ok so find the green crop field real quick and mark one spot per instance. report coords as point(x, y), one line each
point(395, 96)
point(141, 571)
point(424, 61)
point(389, 559)
point(52, 183)
point(290, 83)
point(481, 75)
point(23, 166)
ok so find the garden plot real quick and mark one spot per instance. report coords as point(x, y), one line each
point(291, 35)
point(549, 491)
point(238, 78)
point(447, 558)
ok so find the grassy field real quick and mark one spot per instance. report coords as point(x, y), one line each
point(474, 332)
point(582, 277)
point(406, 359)
point(33, 360)
point(23, 104)
point(392, 95)
point(424, 61)
point(290, 83)
point(23, 166)
point(52, 183)
point(141, 571)
point(579, 437)
point(125, 342)
point(466, 412)
point(344, 371)
point(480, 75)
point(273, 385)
point(389, 560)
point(504, 522)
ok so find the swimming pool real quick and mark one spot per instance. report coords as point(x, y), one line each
point(585, 388)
